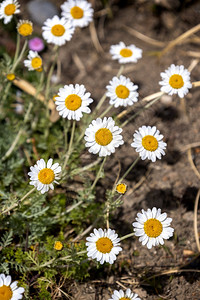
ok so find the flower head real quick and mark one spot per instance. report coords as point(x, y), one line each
point(103, 245)
point(175, 80)
point(8, 290)
point(122, 91)
point(36, 44)
point(8, 8)
point(148, 142)
point(127, 295)
point(25, 27)
point(34, 61)
point(79, 12)
point(57, 31)
point(102, 136)
point(10, 76)
point(152, 227)
point(72, 102)
point(58, 245)
point(121, 188)
point(125, 54)
point(43, 175)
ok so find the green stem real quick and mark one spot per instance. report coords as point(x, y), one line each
point(20, 201)
point(126, 173)
point(70, 149)
point(98, 174)
point(12, 147)
point(127, 236)
point(15, 63)
point(20, 57)
point(55, 53)
point(85, 168)
point(129, 169)
point(106, 111)
point(69, 256)
point(139, 111)
point(17, 49)
point(101, 101)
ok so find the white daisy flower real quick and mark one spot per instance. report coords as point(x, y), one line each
point(43, 175)
point(148, 142)
point(127, 295)
point(175, 80)
point(79, 12)
point(8, 290)
point(103, 245)
point(122, 91)
point(125, 54)
point(102, 136)
point(152, 227)
point(34, 61)
point(8, 8)
point(57, 31)
point(72, 102)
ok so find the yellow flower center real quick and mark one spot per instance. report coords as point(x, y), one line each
point(73, 102)
point(125, 298)
point(46, 176)
point(150, 143)
point(25, 29)
point(126, 52)
point(153, 228)
point(10, 9)
point(176, 81)
point(76, 12)
point(10, 76)
point(5, 292)
point(58, 30)
point(58, 246)
point(36, 62)
point(104, 245)
point(103, 136)
point(122, 91)
point(121, 188)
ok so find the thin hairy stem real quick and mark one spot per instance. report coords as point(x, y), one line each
point(20, 201)
point(70, 149)
point(98, 174)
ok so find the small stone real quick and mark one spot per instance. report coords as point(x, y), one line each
point(40, 10)
point(166, 99)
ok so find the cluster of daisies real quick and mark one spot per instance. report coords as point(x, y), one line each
point(102, 136)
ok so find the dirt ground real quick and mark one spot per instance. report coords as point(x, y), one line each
point(170, 184)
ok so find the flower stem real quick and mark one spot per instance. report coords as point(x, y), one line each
point(12, 147)
point(126, 173)
point(98, 174)
point(70, 149)
point(17, 49)
point(20, 57)
point(127, 236)
point(139, 111)
point(106, 111)
point(85, 168)
point(20, 201)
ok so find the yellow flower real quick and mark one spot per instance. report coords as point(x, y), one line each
point(58, 245)
point(25, 27)
point(10, 76)
point(121, 188)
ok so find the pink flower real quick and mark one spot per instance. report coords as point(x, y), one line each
point(36, 44)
